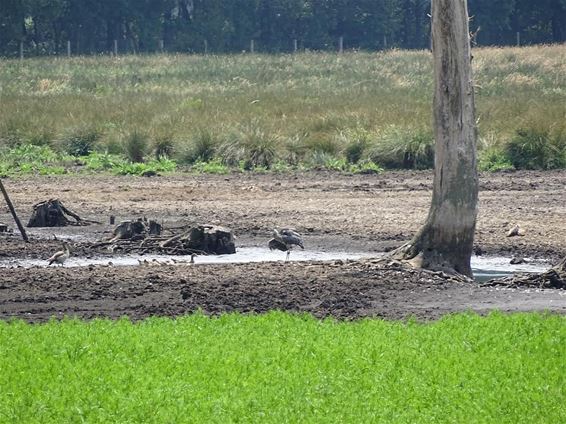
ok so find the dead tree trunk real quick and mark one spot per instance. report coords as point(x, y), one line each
point(13, 212)
point(445, 241)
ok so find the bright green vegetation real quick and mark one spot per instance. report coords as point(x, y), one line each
point(259, 112)
point(43, 160)
point(285, 368)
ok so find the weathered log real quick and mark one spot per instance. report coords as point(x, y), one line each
point(171, 240)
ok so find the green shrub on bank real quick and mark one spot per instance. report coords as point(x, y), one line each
point(105, 161)
point(201, 147)
point(213, 167)
point(34, 159)
point(404, 148)
point(136, 146)
point(536, 148)
point(494, 159)
point(356, 143)
point(80, 141)
point(164, 146)
point(152, 167)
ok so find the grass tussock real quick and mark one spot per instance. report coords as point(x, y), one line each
point(285, 368)
point(264, 110)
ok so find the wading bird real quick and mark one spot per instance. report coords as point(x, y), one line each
point(285, 240)
point(60, 256)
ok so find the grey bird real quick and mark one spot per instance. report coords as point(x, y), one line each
point(61, 256)
point(285, 240)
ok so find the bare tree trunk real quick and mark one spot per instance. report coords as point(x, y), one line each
point(445, 241)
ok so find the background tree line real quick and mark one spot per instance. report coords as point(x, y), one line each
point(92, 26)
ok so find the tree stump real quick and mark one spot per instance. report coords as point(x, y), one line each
point(207, 239)
point(136, 230)
point(52, 213)
point(211, 239)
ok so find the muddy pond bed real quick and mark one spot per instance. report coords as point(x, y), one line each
point(347, 221)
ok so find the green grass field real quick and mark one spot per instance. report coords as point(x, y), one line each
point(263, 111)
point(285, 368)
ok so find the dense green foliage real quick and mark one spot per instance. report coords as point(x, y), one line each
point(284, 368)
point(45, 26)
point(255, 112)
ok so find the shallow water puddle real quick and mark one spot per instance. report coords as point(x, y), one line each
point(484, 268)
point(243, 255)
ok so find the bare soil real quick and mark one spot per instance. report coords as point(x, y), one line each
point(350, 213)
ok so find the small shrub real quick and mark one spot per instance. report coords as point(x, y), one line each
point(260, 148)
point(356, 142)
point(534, 148)
point(336, 164)
point(163, 146)
point(137, 168)
point(404, 148)
point(323, 143)
point(232, 152)
point(52, 170)
point(295, 149)
point(43, 138)
point(213, 167)
point(163, 164)
point(281, 166)
point(135, 146)
point(201, 148)
point(366, 167)
point(322, 160)
point(96, 161)
point(494, 159)
point(80, 141)
point(130, 168)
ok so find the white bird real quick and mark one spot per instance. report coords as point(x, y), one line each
point(60, 256)
point(285, 240)
point(516, 231)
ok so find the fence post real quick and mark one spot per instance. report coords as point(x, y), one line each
point(295, 45)
point(252, 46)
point(205, 46)
point(21, 50)
point(161, 45)
point(385, 42)
point(341, 44)
point(115, 47)
point(518, 39)
point(68, 48)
